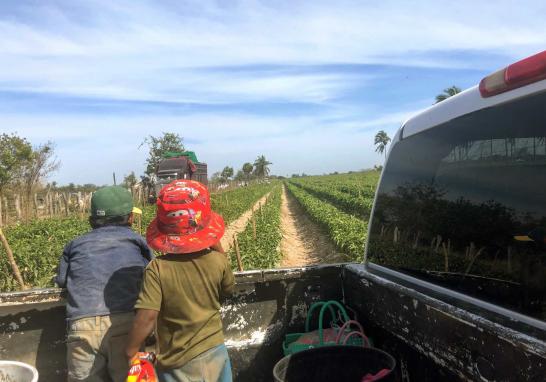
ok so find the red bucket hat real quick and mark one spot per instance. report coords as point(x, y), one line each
point(184, 220)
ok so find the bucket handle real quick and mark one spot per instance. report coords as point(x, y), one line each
point(329, 304)
point(324, 305)
point(356, 333)
point(347, 325)
point(312, 309)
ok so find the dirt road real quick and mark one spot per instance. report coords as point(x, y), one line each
point(303, 242)
point(239, 225)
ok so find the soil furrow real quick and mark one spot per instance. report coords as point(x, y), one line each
point(303, 242)
point(239, 225)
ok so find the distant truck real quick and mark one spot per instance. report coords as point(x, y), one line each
point(178, 165)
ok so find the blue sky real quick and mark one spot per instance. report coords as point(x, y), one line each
point(307, 84)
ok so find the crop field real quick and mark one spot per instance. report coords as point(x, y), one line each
point(339, 205)
point(38, 245)
point(259, 242)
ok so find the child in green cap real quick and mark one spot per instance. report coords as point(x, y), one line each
point(102, 272)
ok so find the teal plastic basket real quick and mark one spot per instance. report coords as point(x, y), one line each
point(344, 335)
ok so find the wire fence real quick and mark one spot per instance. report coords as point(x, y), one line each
point(21, 207)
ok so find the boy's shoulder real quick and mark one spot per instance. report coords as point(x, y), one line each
point(112, 231)
point(204, 256)
point(105, 233)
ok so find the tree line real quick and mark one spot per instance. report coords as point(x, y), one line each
point(23, 167)
point(249, 171)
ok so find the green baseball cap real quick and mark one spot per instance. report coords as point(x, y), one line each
point(111, 201)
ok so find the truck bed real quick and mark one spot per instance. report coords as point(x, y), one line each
point(430, 339)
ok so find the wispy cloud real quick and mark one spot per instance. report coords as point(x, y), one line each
point(287, 79)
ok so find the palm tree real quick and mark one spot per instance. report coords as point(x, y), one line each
point(448, 92)
point(260, 166)
point(381, 141)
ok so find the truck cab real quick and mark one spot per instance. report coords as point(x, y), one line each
point(454, 279)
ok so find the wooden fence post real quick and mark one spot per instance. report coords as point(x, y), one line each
point(239, 262)
point(66, 203)
point(50, 205)
point(18, 206)
point(87, 202)
point(6, 208)
point(80, 204)
point(36, 204)
point(12, 262)
point(57, 204)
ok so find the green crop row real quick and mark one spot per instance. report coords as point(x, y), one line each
point(232, 204)
point(37, 247)
point(263, 250)
point(346, 231)
point(354, 205)
point(359, 184)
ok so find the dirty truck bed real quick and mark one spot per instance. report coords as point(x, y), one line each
point(430, 339)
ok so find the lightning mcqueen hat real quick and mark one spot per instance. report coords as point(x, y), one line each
point(184, 222)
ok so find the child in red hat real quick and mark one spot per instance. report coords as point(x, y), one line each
point(181, 290)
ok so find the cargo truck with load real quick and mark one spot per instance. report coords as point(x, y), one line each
point(454, 279)
point(178, 165)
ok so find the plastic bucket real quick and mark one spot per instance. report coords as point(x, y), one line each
point(13, 371)
point(334, 363)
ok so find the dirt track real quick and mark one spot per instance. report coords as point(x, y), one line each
point(239, 225)
point(303, 242)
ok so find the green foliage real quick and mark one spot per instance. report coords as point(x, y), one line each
point(71, 187)
point(247, 169)
point(346, 231)
point(38, 244)
point(130, 180)
point(263, 251)
point(37, 247)
point(14, 153)
point(227, 173)
point(448, 92)
point(353, 193)
point(240, 176)
point(158, 146)
point(232, 204)
point(351, 204)
point(358, 184)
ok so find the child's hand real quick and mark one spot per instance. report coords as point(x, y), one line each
point(136, 357)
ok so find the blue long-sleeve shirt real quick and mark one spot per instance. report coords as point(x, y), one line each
point(102, 271)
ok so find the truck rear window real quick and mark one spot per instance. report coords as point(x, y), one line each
point(463, 205)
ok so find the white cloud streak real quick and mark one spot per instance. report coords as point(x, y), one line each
point(216, 53)
point(125, 49)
